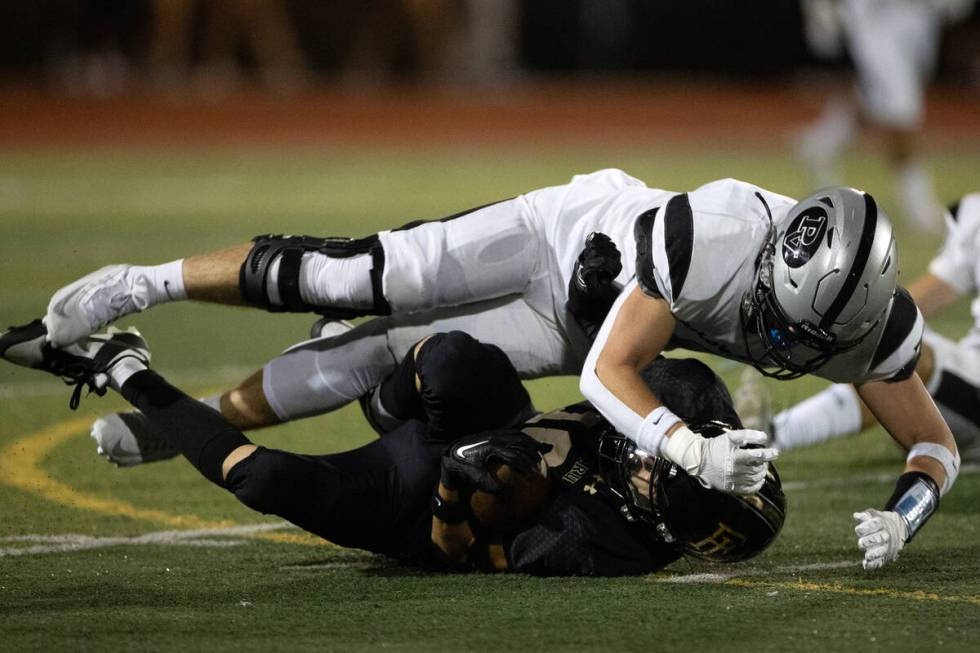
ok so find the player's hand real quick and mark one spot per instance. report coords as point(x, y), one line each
point(881, 536)
point(736, 461)
point(466, 463)
point(598, 263)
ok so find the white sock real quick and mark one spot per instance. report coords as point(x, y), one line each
point(918, 197)
point(822, 143)
point(157, 284)
point(830, 414)
point(213, 402)
point(339, 282)
point(121, 371)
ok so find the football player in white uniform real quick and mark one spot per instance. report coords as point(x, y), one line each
point(949, 369)
point(729, 268)
point(893, 44)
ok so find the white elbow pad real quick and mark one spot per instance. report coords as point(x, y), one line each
point(949, 460)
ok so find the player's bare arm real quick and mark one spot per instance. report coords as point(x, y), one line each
point(908, 413)
point(639, 334)
point(636, 331)
point(932, 294)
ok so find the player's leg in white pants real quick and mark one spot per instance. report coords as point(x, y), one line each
point(489, 252)
point(955, 387)
point(894, 47)
point(322, 375)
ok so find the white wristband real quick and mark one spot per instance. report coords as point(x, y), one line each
point(654, 428)
point(683, 448)
point(949, 460)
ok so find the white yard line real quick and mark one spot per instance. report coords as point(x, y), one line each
point(233, 536)
point(785, 569)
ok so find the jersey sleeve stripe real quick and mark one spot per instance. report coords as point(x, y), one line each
point(959, 396)
point(857, 266)
point(954, 209)
point(643, 234)
point(678, 240)
point(901, 322)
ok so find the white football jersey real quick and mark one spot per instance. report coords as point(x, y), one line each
point(698, 251)
point(958, 262)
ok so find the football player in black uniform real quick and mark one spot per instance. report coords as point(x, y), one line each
point(612, 510)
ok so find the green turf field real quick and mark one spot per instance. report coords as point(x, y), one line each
point(155, 558)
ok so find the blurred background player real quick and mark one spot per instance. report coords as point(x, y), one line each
point(949, 369)
point(893, 45)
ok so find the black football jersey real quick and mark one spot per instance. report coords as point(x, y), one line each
point(582, 531)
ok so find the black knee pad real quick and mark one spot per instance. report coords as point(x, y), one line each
point(691, 390)
point(468, 386)
point(253, 279)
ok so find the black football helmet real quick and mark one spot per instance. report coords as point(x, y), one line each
point(701, 522)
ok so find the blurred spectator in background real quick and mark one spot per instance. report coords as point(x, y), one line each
point(263, 26)
point(451, 41)
point(894, 46)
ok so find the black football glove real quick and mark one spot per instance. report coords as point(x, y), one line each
point(598, 264)
point(592, 289)
point(466, 463)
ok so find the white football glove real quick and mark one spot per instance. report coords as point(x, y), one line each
point(722, 463)
point(881, 535)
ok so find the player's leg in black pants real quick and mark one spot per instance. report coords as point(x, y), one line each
point(375, 497)
point(458, 386)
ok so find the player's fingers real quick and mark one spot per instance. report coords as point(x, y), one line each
point(755, 457)
point(872, 525)
point(871, 565)
point(862, 516)
point(488, 483)
point(743, 437)
point(519, 459)
point(873, 540)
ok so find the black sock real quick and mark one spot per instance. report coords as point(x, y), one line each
point(203, 436)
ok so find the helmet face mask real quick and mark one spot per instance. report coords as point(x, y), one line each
point(822, 285)
point(701, 522)
point(790, 349)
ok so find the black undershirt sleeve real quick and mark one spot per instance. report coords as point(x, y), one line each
point(198, 432)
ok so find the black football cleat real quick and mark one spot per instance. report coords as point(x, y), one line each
point(24, 345)
point(87, 362)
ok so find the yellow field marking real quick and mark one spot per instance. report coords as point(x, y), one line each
point(20, 467)
point(836, 588)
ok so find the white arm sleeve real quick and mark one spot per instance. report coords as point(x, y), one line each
point(646, 431)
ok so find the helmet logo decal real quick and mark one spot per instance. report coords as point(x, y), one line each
point(719, 543)
point(804, 236)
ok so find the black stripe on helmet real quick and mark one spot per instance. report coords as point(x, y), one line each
point(678, 240)
point(857, 266)
point(643, 234)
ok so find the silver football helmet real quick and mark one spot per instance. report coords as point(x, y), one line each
point(822, 284)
